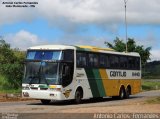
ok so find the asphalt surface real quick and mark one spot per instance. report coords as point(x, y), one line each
point(35, 106)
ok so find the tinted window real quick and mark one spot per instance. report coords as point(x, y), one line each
point(81, 59)
point(44, 55)
point(123, 62)
point(103, 61)
point(137, 63)
point(93, 60)
point(68, 55)
point(134, 63)
point(114, 61)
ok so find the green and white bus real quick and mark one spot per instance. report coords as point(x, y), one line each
point(63, 72)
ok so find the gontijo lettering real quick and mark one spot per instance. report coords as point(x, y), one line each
point(118, 74)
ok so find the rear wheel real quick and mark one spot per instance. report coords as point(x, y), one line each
point(121, 93)
point(45, 102)
point(78, 96)
point(127, 93)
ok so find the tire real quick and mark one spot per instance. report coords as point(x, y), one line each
point(45, 102)
point(78, 97)
point(121, 93)
point(115, 97)
point(127, 93)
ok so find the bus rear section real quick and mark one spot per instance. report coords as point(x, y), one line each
point(108, 73)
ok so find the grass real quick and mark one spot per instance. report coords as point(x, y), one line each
point(14, 91)
point(155, 100)
point(147, 85)
point(5, 86)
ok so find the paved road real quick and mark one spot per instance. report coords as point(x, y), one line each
point(36, 107)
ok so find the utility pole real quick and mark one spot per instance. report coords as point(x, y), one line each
point(125, 5)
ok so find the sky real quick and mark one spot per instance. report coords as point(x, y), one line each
point(80, 22)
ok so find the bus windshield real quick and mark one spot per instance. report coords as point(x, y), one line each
point(44, 55)
point(41, 73)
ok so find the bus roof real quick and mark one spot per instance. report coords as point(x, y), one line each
point(51, 47)
point(82, 48)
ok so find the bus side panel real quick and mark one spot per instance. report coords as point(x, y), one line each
point(96, 82)
point(82, 81)
point(110, 86)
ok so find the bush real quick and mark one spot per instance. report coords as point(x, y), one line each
point(13, 73)
point(4, 83)
point(11, 66)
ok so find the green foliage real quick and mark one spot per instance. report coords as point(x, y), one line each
point(151, 70)
point(4, 84)
point(11, 66)
point(148, 85)
point(120, 46)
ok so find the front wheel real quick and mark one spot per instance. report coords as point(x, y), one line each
point(45, 102)
point(78, 97)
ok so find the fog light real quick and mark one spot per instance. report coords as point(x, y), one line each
point(51, 94)
point(25, 94)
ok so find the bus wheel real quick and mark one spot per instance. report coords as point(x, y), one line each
point(45, 102)
point(78, 96)
point(121, 93)
point(127, 93)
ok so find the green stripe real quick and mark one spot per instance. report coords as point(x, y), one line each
point(99, 82)
point(92, 83)
point(43, 86)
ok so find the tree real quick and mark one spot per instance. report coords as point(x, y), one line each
point(11, 64)
point(120, 46)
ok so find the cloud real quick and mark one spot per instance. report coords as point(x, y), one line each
point(155, 55)
point(81, 40)
point(69, 15)
point(23, 39)
point(98, 12)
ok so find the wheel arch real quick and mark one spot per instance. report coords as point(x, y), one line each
point(80, 89)
point(121, 86)
point(129, 88)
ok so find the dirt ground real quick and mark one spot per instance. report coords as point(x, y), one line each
point(139, 108)
point(135, 105)
point(11, 98)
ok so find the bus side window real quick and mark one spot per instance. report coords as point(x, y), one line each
point(81, 59)
point(114, 61)
point(103, 61)
point(123, 62)
point(132, 63)
point(68, 55)
point(93, 60)
point(138, 63)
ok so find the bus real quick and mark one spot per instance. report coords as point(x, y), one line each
point(66, 72)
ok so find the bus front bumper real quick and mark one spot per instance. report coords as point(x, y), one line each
point(48, 95)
